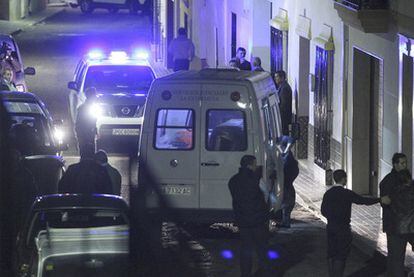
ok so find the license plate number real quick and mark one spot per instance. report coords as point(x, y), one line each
point(173, 190)
point(125, 132)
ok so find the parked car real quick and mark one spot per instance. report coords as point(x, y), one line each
point(19, 76)
point(36, 136)
point(113, 6)
point(75, 235)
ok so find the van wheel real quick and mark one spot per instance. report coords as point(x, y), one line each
point(133, 6)
point(86, 6)
point(113, 10)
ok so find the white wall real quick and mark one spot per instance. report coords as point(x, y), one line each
point(320, 12)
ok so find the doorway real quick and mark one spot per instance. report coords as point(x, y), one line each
point(367, 80)
point(233, 34)
point(407, 112)
point(170, 31)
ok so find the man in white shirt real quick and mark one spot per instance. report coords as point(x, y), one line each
point(182, 49)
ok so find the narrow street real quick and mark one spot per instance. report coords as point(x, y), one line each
point(54, 48)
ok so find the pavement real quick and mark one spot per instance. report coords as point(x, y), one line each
point(366, 220)
point(16, 26)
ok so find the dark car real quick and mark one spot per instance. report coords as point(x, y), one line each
point(36, 136)
point(74, 235)
point(88, 6)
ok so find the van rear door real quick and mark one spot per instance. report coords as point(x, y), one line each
point(226, 119)
point(173, 144)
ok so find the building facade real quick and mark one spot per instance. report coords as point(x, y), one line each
point(350, 65)
point(18, 9)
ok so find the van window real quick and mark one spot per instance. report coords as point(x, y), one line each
point(226, 130)
point(174, 129)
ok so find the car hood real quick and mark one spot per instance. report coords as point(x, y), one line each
point(137, 98)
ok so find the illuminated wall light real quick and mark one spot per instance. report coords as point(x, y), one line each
point(227, 254)
point(273, 255)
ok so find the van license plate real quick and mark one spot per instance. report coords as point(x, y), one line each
point(175, 190)
point(125, 132)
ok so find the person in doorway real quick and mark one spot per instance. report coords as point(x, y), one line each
point(251, 215)
point(87, 176)
point(291, 171)
point(336, 207)
point(285, 96)
point(257, 64)
point(85, 125)
point(396, 243)
point(116, 179)
point(182, 49)
point(241, 56)
point(6, 82)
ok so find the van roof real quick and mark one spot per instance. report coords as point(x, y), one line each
point(225, 74)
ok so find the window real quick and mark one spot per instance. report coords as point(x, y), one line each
point(174, 129)
point(226, 130)
point(322, 106)
point(233, 34)
point(276, 50)
point(119, 78)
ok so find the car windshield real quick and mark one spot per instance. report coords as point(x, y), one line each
point(119, 78)
point(74, 218)
point(88, 265)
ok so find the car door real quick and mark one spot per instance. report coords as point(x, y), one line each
point(172, 151)
point(226, 121)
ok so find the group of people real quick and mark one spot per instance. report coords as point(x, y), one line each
point(252, 213)
point(251, 207)
point(93, 174)
point(397, 201)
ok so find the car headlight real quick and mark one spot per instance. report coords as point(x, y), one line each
point(20, 88)
point(99, 110)
point(59, 135)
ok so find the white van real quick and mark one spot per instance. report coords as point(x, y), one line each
point(197, 126)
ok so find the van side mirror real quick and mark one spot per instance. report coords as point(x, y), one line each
point(295, 131)
point(29, 71)
point(73, 85)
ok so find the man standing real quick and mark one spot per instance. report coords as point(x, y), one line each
point(290, 172)
point(396, 244)
point(336, 207)
point(6, 83)
point(182, 49)
point(87, 176)
point(285, 96)
point(241, 56)
point(251, 214)
point(85, 125)
point(116, 179)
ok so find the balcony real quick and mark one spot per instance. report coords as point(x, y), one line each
point(369, 16)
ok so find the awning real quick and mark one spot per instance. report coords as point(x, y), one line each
point(303, 27)
point(280, 21)
point(325, 39)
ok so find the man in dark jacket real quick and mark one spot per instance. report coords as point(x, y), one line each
point(116, 179)
point(285, 96)
point(290, 172)
point(85, 125)
point(251, 214)
point(241, 56)
point(336, 207)
point(396, 244)
point(87, 176)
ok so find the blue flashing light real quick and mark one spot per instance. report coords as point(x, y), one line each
point(227, 254)
point(118, 56)
point(141, 55)
point(95, 55)
point(273, 255)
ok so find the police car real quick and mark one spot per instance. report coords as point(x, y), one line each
point(122, 82)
